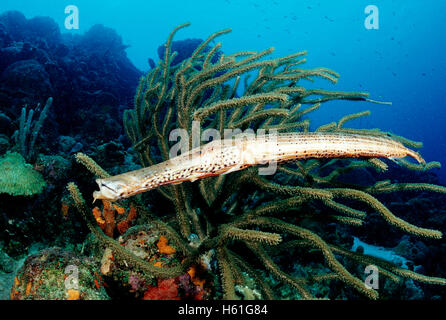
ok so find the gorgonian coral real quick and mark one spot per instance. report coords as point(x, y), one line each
point(242, 212)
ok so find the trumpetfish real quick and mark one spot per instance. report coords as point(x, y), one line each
point(230, 155)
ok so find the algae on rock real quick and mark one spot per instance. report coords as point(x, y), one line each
point(19, 178)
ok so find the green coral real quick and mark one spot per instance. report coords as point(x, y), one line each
point(243, 213)
point(19, 178)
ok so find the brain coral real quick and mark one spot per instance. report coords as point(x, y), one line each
point(18, 178)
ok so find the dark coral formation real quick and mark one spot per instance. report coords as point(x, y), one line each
point(90, 80)
point(184, 49)
point(89, 76)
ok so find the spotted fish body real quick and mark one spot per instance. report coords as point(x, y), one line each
point(225, 156)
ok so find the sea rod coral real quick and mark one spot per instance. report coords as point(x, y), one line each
point(243, 213)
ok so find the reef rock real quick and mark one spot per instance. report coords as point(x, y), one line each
point(56, 274)
point(148, 244)
point(89, 76)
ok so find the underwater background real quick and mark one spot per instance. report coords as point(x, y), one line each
point(92, 74)
point(402, 62)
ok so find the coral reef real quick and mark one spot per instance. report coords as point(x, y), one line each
point(37, 61)
point(106, 218)
point(145, 242)
point(19, 178)
point(26, 136)
point(8, 268)
point(302, 209)
point(55, 274)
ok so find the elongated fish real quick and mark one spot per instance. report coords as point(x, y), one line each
point(230, 155)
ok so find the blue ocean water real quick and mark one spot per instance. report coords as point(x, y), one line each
point(403, 61)
point(87, 72)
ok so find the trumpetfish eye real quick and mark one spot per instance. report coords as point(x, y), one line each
point(109, 188)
